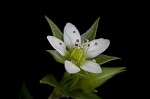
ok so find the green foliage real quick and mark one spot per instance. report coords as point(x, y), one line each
point(84, 86)
point(73, 85)
point(101, 59)
point(55, 30)
point(24, 93)
point(91, 33)
point(67, 84)
point(59, 58)
point(96, 80)
point(81, 95)
point(50, 80)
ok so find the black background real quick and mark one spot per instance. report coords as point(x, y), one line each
point(27, 59)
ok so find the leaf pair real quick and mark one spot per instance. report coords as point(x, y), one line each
point(90, 34)
point(71, 84)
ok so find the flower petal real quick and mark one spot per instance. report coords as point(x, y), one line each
point(92, 67)
point(57, 44)
point(96, 47)
point(71, 35)
point(71, 68)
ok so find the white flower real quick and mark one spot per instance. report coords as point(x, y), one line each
point(79, 51)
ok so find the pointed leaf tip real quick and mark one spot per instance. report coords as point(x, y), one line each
point(97, 80)
point(102, 59)
point(91, 33)
point(25, 94)
point(55, 30)
point(59, 58)
point(50, 80)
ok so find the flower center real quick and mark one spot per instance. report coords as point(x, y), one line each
point(77, 55)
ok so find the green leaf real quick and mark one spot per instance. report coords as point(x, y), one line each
point(96, 80)
point(24, 94)
point(66, 75)
point(55, 30)
point(85, 86)
point(50, 80)
point(91, 33)
point(67, 83)
point(79, 95)
point(70, 84)
point(59, 58)
point(101, 59)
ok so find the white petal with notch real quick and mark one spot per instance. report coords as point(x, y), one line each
point(57, 44)
point(96, 47)
point(71, 68)
point(91, 66)
point(71, 35)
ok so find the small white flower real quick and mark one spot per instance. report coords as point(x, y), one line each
point(79, 51)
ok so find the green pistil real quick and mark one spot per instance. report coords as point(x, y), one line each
point(77, 55)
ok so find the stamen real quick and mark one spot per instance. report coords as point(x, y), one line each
point(77, 43)
point(86, 40)
point(85, 43)
point(90, 46)
point(80, 56)
point(72, 52)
